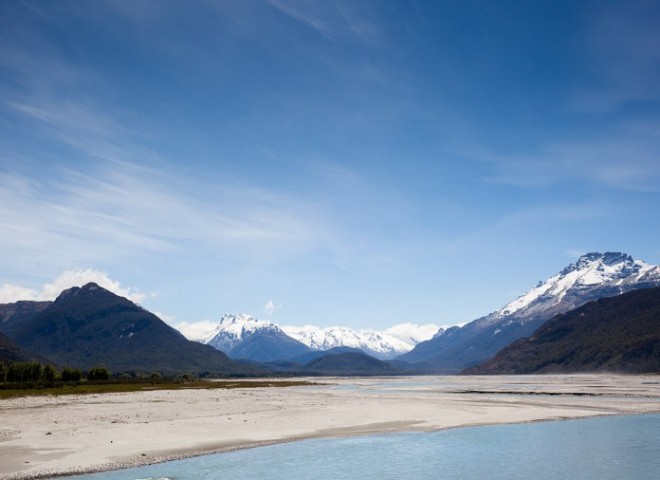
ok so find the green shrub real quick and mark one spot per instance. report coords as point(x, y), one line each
point(71, 374)
point(50, 374)
point(98, 374)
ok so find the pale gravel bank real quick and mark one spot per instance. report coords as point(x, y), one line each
point(46, 436)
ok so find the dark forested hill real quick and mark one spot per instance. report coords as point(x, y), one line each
point(91, 326)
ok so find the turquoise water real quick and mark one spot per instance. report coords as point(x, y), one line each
point(606, 448)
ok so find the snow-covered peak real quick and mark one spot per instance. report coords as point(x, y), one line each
point(241, 324)
point(233, 329)
point(612, 271)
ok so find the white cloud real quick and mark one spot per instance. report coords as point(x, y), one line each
point(196, 331)
point(170, 319)
point(71, 278)
point(411, 333)
point(10, 293)
point(270, 307)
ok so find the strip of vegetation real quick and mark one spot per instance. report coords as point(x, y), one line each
point(33, 379)
point(519, 392)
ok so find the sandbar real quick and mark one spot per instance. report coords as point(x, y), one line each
point(42, 437)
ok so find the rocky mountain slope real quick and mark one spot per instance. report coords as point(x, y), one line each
point(592, 276)
point(616, 334)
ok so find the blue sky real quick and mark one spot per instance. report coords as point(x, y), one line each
point(356, 163)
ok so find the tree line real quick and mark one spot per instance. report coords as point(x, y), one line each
point(35, 372)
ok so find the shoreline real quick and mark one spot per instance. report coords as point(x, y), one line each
point(183, 456)
point(45, 437)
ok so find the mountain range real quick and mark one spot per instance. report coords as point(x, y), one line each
point(245, 337)
point(592, 276)
point(427, 348)
point(571, 312)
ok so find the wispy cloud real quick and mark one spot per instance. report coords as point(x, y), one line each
point(129, 199)
point(331, 19)
point(623, 44)
point(603, 129)
point(134, 210)
point(625, 160)
point(523, 220)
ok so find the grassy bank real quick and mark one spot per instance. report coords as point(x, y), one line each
point(119, 386)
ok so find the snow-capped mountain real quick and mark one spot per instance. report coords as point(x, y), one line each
point(380, 344)
point(592, 276)
point(244, 337)
point(233, 329)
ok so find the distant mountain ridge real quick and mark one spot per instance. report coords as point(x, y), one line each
point(374, 343)
point(593, 276)
point(243, 336)
point(614, 334)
